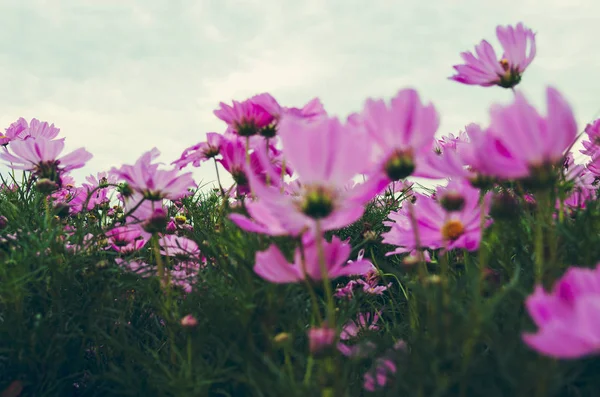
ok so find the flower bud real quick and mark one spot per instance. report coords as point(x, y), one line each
point(157, 222)
point(452, 201)
point(189, 321)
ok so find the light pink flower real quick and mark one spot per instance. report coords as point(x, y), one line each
point(582, 180)
point(436, 227)
point(126, 239)
point(485, 69)
point(519, 142)
point(568, 318)
point(326, 156)
point(41, 156)
point(402, 133)
point(172, 245)
point(272, 266)
point(531, 138)
point(592, 145)
point(200, 152)
point(154, 184)
point(14, 131)
point(39, 129)
point(261, 221)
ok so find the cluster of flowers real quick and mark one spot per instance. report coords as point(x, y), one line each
point(296, 170)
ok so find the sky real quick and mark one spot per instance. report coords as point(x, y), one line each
point(120, 77)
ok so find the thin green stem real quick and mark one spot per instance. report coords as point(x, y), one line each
point(219, 178)
point(325, 276)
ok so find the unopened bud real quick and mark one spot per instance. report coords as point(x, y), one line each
point(452, 201)
point(46, 186)
point(281, 338)
point(157, 222)
point(189, 321)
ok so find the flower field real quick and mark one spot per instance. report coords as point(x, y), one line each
point(325, 269)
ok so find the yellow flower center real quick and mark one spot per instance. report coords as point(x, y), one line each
point(452, 230)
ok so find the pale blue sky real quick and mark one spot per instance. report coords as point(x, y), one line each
point(122, 76)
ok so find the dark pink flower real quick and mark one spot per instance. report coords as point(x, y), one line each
point(485, 69)
point(126, 239)
point(568, 317)
point(244, 118)
point(233, 159)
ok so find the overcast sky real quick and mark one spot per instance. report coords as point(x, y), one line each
point(122, 76)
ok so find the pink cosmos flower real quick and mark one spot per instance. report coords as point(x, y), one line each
point(313, 109)
point(582, 180)
point(172, 245)
point(350, 332)
point(182, 275)
point(40, 156)
point(200, 152)
point(39, 129)
point(369, 283)
point(233, 159)
point(261, 221)
point(320, 339)
point(374, 380)
point(326, 156)
point(485, 69)
point(272, 266)
point(402, 133)
point(520, 143)
point(487, 156)
point(531, 138)
point(567, 318)
point(592, 145)
point(21, 129)
point(244, 118)
point(154, 184)
point(446, 160)
point(451, 142)
point(94, 184)
point(13, 131)
point(138, 208)
point(126, 239)
point(364, 321)
point(436, 227)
